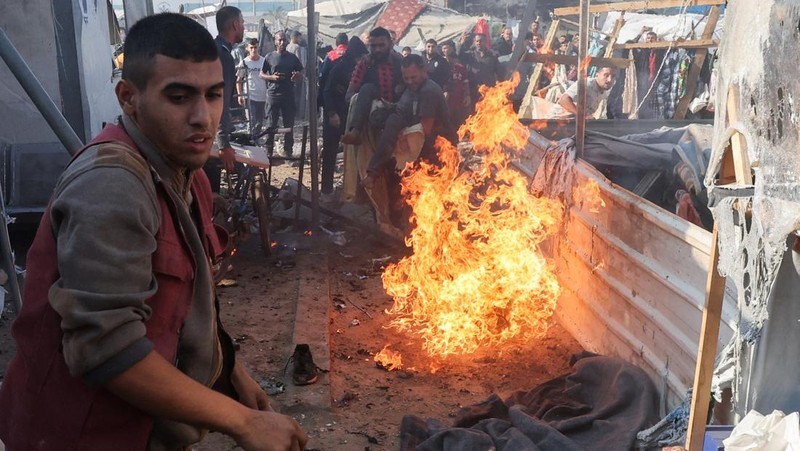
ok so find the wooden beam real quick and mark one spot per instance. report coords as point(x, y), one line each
point(715, 289)
point(612, 38)
point(619, 63)
point(697, 65)
point(519, 46)
point(537, 70)
point(636, 6)
point(687, 44)
point(709, 334)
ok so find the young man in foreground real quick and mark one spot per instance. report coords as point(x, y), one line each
point(119, 343)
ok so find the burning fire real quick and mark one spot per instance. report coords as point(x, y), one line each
point(388, 359)
point(476, 276)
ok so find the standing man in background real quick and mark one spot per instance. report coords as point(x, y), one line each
point(249, 72)
point(295, 47)
point(281, 70)
point(230, 25)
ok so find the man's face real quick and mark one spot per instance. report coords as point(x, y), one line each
point(535, 27)
point(538, 42)
point(379, 47)
point(252, 51)
point(413, 76)
point(506, 34)
point(447, 51)
point(280, 43)
point(562, 40)
point(651, 37)
point(605, 78)
point(430, 49)
point(239, 27)
point(179, 109)
point(405, 52)
point(479, 41)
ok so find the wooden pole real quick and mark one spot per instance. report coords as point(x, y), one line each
point(311, 74)
point(636, 6)
point(697, 65)
point(527, 18)
point(612, 38)
point(533, 84)
point(583, 47)
point(715, 292)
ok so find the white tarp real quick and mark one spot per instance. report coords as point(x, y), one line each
point(668, 28)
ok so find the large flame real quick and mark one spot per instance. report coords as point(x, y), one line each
point(476, 276)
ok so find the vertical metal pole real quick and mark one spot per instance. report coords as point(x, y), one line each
point(300, 175)
point(8, 258)
point(38, 95)
point(580, 123)
point(311, 73)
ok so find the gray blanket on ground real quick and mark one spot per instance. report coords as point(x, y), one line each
point(600, 405)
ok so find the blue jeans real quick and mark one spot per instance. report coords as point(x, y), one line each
point(256, 112)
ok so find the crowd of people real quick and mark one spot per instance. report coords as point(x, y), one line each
point(119, 341)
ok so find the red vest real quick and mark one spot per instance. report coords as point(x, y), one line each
point(42, 407)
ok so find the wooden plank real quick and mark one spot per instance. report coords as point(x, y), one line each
point(697, 65)
point(706, 355)
point(686, 44)
point(612, 38)
point(741, 164)
point(709, 333)
point(620, 63)
point(537, 71)
point(519, 45)
point(636, 6)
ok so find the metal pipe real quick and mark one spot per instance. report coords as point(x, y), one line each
point(311, 76)
point(583, 45)
point(38, 95)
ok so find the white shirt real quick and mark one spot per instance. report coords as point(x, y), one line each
point(596, 101)
point(256, 87)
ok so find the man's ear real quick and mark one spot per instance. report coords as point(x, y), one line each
point(127, 95)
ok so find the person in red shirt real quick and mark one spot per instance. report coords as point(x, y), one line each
point(376, 76)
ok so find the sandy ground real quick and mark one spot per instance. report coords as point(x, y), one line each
point(356, 405)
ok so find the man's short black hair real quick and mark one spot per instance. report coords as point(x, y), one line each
point(380, 32)
point(172, 35)
point(252, 41)
point(413, 60)
point(341, 39)
point(226, 16)
point(407, 48)
point(450, 43)
point(431, 41)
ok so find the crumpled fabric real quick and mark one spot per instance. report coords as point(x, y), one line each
point(774, 432)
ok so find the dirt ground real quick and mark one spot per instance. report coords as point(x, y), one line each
point(356, 405)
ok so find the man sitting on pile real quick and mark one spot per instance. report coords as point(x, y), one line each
point(376, 76)
point(597, 91)
point(421, 103)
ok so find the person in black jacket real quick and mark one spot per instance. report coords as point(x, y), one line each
point(336, 81)
point(438, 68)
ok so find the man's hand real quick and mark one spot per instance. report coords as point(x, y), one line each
point(463, 38)
point(446, 95)
point(228, 157)
point(250, 393)
point(296, 75)
point(335, 121)
point(270, 431)
point(242, 100)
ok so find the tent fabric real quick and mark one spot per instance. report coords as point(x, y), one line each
point(399, 14)
point(599, 405)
